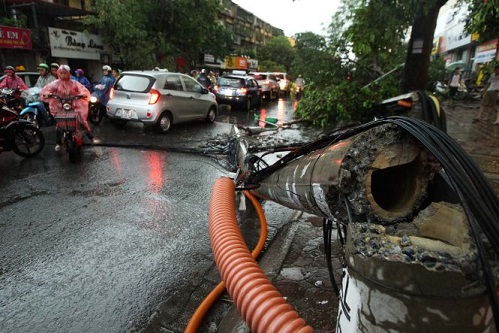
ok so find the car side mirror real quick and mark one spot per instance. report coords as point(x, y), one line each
point(205, 91)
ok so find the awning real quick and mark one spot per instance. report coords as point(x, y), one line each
point(453, 65)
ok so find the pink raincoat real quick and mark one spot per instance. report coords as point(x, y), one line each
point(67, 87)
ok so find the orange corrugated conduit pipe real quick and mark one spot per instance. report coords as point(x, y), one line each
point(260, 304)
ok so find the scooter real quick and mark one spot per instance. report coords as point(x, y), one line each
point(19, 135)
point(298, 93)
point(35, 110)
point(96, 110)
point(68, 127)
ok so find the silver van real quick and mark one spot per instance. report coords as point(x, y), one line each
point(159, 98)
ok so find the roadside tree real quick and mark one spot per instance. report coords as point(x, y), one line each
point(277, 55)
point(483, 19)
point(147, 33)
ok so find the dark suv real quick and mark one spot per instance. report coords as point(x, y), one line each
point(238, 90)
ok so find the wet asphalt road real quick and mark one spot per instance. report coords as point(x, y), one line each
point(96, 246)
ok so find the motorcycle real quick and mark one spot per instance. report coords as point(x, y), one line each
point(68, 127)
point(19, 135)
point(35, 110)
point(441, 88)
point(10, 97)
point(96, 110)
point(298, 93)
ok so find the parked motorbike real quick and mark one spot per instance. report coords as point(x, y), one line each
point(35, 110)
point(466, 91)
point(19, 135)
point(475, 92)
point(10, 98)
point(68, 126)
point(441, 88)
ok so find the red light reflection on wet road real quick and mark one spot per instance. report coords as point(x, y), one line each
point(115, 158)
point(263, 115)
point(155, 164)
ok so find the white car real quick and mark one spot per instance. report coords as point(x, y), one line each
point(269, 84)
point(159, 98)
point(284, 82)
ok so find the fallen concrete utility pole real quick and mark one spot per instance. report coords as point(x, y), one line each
point(383, 173)
point(411, 261)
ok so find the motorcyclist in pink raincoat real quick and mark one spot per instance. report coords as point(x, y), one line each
point(64, 86)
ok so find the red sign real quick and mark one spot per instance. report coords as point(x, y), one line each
point(15, 38)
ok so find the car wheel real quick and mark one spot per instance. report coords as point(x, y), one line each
point(212, 114)
point(164, 122)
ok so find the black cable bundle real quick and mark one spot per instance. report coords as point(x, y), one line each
point(477, 196)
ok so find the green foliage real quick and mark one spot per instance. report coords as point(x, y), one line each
point(483, 19)
point(122, 25)
point(149, 33)
point(366, 39)
point(271, 66)
point(278, 49)
point(343, 103)
point(315, 61)
point(436, 72)
point(20, 22)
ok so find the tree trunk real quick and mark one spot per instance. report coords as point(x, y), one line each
point(418, 55)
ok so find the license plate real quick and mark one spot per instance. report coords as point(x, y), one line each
point(125, 113)
point(228, 93)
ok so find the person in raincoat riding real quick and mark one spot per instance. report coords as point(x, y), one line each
point(64, 86)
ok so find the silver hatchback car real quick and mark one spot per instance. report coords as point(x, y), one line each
point(159, 98)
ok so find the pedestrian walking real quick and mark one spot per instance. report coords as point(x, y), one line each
point(455, 81)
point(489, 98)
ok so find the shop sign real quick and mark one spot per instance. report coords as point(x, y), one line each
point(236, 63)
point(15, 38)
point(253, 64)
point(486, 52)
point(455, 32)
point(74, 44)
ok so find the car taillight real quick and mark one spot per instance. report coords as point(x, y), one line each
point(215, 89)
point(155, 95)
point(111, 93)
point(242, 91)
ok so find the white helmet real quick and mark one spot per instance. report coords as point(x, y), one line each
point(106, 68)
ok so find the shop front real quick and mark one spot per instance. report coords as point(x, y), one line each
point(79, 50)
